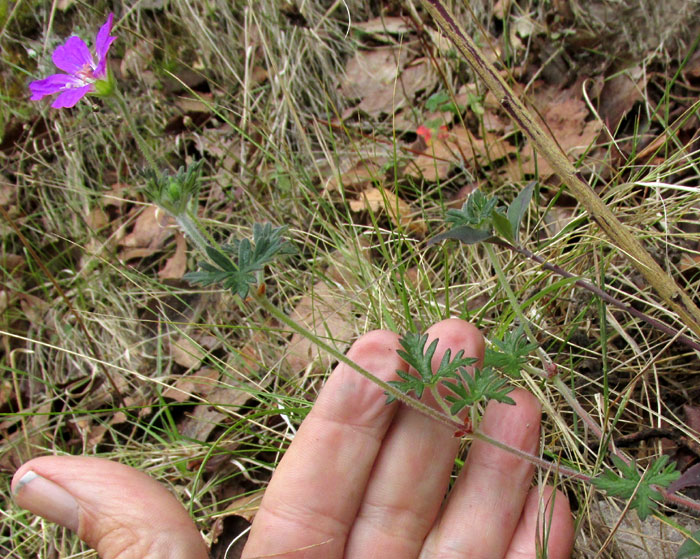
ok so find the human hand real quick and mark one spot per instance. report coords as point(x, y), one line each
point(361, 479)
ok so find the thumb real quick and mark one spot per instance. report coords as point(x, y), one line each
point(117, 510)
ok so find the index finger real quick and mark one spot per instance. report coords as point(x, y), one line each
point(314, 495)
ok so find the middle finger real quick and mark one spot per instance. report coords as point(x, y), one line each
point(411, 473)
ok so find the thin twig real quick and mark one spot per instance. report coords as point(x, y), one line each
point(665, 328)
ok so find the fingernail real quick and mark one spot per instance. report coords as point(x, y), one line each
point(46, 499)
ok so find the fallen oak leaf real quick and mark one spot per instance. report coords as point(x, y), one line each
point(176, 266)
point(399, 211)
point(152, 228)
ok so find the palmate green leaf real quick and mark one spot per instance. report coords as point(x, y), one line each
point(441, 102)
point(235, 266)
point(475, 213)
point(510, 354)
point(485, 385)
point(416, 356)
point(406, 385)
point(632, 482)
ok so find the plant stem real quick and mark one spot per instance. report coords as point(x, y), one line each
point(187, 222)
point(388, 388)
point(536, 460)
point(144, 148)
point(565, 391)
point(412, 402)
point(558, 383)
point(441, 401)
point(514, 303)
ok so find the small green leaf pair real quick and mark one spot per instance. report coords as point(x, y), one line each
point(484, 385)
point(510, 353)
point(480, 216)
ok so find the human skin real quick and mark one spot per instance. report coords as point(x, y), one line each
point(361, 479)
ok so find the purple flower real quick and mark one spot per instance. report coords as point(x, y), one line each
point(75, 58)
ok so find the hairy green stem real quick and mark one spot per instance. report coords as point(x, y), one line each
point(558, 383)
point(441, 401)
point(568, 396)
point(536, 460)
point(187, 222)
point(412, 402)
point(143, 146)
point(388, 388)
point(514, 303)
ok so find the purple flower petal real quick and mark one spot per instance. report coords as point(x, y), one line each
point(103, 40)
point(70, 97)
point(73, 56)
point(49, 85)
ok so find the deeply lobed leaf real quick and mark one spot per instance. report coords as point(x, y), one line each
point(638, 486)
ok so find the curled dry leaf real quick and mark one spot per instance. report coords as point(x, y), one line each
point(220, 403)
point(199, 384)
point(187, 353)
point(326, 312)
point(399, 211)
point(389, 24)
point(565, 115)
point(246, 506)
point(384, 81)
point(176, 266)
point(458, 147)
point(619, 94)
point(361, 173)
point(137, 58)
point(151, 229)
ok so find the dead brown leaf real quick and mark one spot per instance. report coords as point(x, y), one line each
point(384, 81)
point(399, 211)
point(388, 24)
point(689, 262)
point(151, 229)
point(10, 262)
point(619, 94)
point(176, 266)
point(187, 353)
point(97, 219)
point(186, 387)
point(360, 174)
point(27, 442)
point(459, 146)
point(327, 313)
point(137, 58)
point(207, 416)
point(565, 113)
point(34, 308)
point(246, 506)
